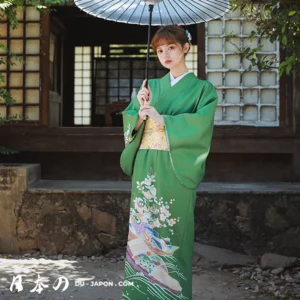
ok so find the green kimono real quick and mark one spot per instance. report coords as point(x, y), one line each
point(159, 253)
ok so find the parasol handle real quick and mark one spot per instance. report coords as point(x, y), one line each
point(150, 7)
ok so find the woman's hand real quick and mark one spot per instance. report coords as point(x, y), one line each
point(142, 114)
point(144, 95)
point(150, 111)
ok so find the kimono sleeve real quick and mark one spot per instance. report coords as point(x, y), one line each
point(132, 138)
point(189, 136)
point(130, 119)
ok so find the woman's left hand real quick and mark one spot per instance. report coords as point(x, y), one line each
point(153, 114)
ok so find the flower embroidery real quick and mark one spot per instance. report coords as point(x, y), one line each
point(172, 222)
point(147, 195)
point(127, 135)
point(147, 181)
point(149, 249)
point(151, 209)
point(162, 217)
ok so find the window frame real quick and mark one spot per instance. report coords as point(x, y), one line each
point(285, 101)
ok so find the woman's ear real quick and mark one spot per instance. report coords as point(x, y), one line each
point(186, 47)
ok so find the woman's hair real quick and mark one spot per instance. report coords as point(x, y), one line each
point(168, 35)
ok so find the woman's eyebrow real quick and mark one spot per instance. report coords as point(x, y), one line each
point(166, 44)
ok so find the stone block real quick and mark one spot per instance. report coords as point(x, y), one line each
point(275, 261)
point(85, 212)
point(104, 221)
point(14, 180)
point(62, 232)
point(215, 257)
point(107, 240)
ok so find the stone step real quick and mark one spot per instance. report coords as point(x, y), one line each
point(125, 187)
point(89, 217)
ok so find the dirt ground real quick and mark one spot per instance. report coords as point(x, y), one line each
point(85, 279)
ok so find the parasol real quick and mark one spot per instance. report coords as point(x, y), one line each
point(155, 12)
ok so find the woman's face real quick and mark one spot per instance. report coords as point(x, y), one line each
point(171, 55)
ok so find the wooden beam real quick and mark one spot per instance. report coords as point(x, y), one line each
point(44, 69)
point(201, 51)
point(283, 102)
point(296, 160)
point(43, 139)
point(296, 102)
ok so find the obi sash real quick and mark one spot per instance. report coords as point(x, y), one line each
point(154, 136)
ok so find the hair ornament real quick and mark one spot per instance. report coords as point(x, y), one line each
point(189, 36)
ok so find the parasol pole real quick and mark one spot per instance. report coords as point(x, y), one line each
point(150, 7)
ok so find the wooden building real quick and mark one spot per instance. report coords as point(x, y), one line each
point(80, 72)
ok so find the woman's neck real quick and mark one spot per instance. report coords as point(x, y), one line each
point(176, 72)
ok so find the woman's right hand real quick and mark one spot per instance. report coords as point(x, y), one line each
point(142, 113)
point(144, 95)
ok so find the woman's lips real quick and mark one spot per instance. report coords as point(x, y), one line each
point(168, 61)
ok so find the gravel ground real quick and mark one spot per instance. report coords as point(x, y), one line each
point(280, 282)
point(91, 278)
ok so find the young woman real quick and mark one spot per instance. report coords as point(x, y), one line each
point(168, 130)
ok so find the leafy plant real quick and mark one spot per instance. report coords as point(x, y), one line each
point(280, 22)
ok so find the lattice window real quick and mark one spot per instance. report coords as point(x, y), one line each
point(22, 80)
point(245, 98)
point(192, 59)
point(83, 86)
point(117, 70)
point(120, 68)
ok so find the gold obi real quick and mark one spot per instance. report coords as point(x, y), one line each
point(154, 136)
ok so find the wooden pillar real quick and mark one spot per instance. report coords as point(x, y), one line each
point(296, 119)
point(296, 106)
point(296, 160)
point(44, 69)
point(201, 50)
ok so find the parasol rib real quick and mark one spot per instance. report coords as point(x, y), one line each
point(187, 13)
point(89, 6)
point(168, 13)
point(121, 4)
point(121, 13)
point(204, 12)
point(142, 13)
point(132, 12)
point(177, 14)
point(159, 13)
point(210, 3)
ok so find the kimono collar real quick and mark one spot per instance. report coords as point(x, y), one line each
point(177, 79)
point(165, 82)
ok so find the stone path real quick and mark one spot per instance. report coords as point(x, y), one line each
point(208, 284)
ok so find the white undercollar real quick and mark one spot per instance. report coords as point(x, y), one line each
point(175, 80)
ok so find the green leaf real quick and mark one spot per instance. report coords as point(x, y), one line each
point(291, 13)
point(284, 40)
